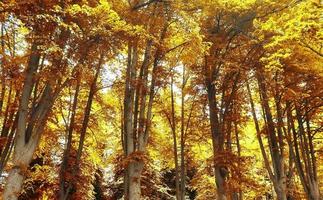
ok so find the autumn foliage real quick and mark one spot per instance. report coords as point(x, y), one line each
point(160, 99)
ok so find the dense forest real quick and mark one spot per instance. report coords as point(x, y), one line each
point(161, 99)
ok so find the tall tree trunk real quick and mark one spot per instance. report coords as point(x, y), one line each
point(62, 189)
point(261, 145)
point(173, 125)
point(85, 122)
point(131, 183)
point(26, 145)
point(274, 144)
point(292, 141)
point(183, 167)
point(135, 141)
point(21, 159)
point(217, 137)
point(29, 127)
point(87, 112)
point(30, 124)
point(305, 152)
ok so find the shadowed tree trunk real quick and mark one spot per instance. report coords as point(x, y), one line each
point(62, 189)
point(65, 193)
point(217, 136)
point(275, 142)
point(303, 153)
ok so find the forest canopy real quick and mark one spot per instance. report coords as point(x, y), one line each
point(161, 99)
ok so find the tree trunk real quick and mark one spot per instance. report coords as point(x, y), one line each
point(128, 125)
point(22, 155)
point(173, 126)
point(183, 167)
point(135, 169)
point(217, 140)
point(85, 122)
point(304, 152)
point(274, 144)
point(62, 189)
point(261, 145)
point(135, 141)
point(25, 149)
